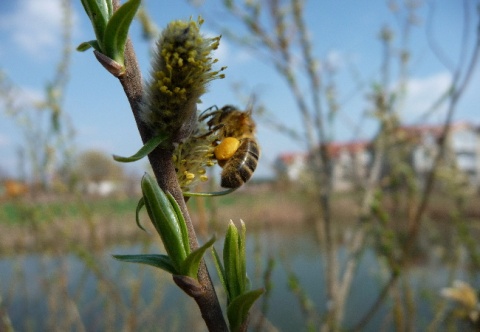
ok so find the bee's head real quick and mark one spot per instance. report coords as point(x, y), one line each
point(228, 108)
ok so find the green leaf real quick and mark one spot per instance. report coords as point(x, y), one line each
point(242, 260)
point(87, 45)
point(181, 223)
point(144, 150)
point(191, 263)
point(161, 261)
point(116, 31)
point(230, 261)
point(141, 203)
point(220, 269)
point(99, 12)
point(109, 8)
point(164, 219)
point(237, 310)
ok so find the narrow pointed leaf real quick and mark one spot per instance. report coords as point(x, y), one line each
point(220, 270)
point(242, 260)
point(230, 261)
point(191, 263)
point(160, 261)
point(87, 45)
point(141, 203)
point(181, 222)
point(239, 307)
point(164, 219)
point(160, 210)
point(109, 5)
point(116, 31)
point(144, 151)
point(99, 15)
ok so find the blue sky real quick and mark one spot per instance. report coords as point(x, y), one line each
point(344, 33)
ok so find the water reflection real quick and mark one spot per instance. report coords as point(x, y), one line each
point(93, 292)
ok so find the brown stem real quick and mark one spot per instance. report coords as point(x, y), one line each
point(164, 170)
point(377, 304)
point(456, 91)
point(457, 88)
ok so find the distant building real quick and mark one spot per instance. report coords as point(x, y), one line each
point(462, 149)
point(416, 146)
point(465, 143)
point(349, 160)
point(10, 188)
point(290, 166)
point(103, 188)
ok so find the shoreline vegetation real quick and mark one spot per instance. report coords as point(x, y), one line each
point(66, 223)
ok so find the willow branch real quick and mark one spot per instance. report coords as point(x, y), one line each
point(457, 88)
point(164, 170)
point(456, 91)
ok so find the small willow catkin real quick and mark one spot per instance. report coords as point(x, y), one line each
point(181, 71)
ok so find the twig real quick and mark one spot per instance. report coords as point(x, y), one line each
point(164, 170)
point(457, 89)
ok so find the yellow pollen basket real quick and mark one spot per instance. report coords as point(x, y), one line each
point(227, 148)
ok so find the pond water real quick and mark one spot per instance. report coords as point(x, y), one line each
point(90, 291)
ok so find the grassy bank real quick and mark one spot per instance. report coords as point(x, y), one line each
point(26, 225)
point(61, 222)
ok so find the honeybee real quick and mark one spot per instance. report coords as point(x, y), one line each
point(237, 151)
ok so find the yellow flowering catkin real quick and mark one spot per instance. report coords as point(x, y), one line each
point(181, 70)
point(192, 157)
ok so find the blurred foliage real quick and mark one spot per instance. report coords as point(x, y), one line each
point(96, 166)
point(393, 202)
point(391, 214)
point(23, 213)
point(47, 132)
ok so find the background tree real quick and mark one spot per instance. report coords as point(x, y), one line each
point(277, 32)
point(96, 166)
point(46, 129)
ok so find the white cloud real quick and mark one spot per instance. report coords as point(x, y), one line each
point(34, 25)
point(228, 53)
point(422, 93)
point(4, 141)
point(335, 59)
point(30, 96)
point(244, 55)
point(222, 52)
point(26, 98)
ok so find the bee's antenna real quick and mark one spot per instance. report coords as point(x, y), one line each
point(251, 102)
point(202, 116)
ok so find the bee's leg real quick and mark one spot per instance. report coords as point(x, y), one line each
point(203, 116)
point(215, 193)
point(211, 131)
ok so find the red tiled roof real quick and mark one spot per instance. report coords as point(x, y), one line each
point(288, 157)
point(335, 148)
point(435, 130)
